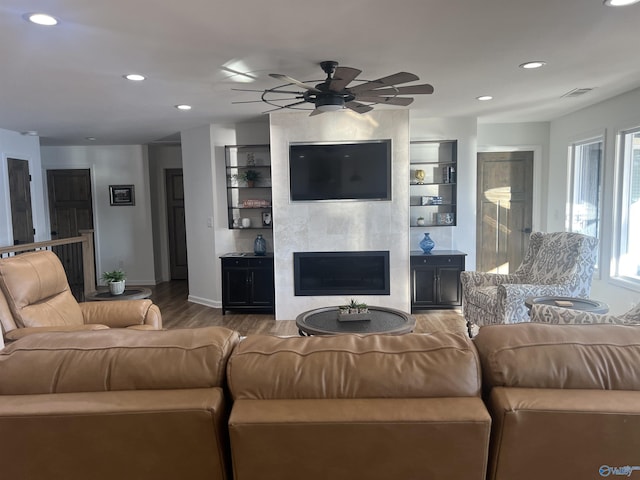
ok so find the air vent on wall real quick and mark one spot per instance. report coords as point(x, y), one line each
point(576, 92)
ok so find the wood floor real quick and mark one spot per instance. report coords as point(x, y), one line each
point(177, 312)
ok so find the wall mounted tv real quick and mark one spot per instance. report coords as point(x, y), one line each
point(340, 171)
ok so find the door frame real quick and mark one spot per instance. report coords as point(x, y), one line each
point(537, 196)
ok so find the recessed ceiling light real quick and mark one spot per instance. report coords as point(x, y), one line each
point(534, 64)
point(484, 98)
point(91, 139)
point(135, 77)
point(619, 3)
point(41, 19)
point(183, 107)
point(30, 133)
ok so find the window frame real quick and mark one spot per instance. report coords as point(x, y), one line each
point(621, 210)
point(571, 188)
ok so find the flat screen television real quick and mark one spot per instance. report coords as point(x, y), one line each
point(340, 171)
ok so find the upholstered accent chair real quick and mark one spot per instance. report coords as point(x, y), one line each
point(558, 263)
point(564, 316)
point(35, 297)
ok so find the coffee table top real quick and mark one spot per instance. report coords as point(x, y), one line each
point(131, 293)
point(573, 303)
point(324, 321)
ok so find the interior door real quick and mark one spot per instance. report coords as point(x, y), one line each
point(70, 204)
point(20, 198)
point(176, 224)
point(505, 205)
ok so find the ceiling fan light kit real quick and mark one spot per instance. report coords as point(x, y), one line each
point(334, 93)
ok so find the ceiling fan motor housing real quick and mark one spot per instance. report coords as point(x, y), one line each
point(328, 100)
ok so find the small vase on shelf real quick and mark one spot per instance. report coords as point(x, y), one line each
point(260, 246)
point(427, 243)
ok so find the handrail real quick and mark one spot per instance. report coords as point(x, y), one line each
point(88, 262)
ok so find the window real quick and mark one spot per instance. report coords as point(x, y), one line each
point(629, 187)
point(585, 201)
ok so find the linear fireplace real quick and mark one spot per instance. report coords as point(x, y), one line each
point(341, 273)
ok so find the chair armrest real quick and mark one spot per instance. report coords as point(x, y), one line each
point(18, 333)
point(521, 291)
point(122, 313)
point(481, 279)
point(565, 316)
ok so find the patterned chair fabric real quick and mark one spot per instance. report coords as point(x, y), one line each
point(559, 263)
point(564, 316)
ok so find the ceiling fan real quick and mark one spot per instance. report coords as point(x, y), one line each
point(334, 92)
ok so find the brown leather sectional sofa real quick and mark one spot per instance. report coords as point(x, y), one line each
point(524, 401)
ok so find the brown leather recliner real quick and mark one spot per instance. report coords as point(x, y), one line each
point(35, 297)
point(565, 400)
point(116, 404)
point(344, 407)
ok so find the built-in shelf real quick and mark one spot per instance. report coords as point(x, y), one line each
point(246, 200)
point(433, 187)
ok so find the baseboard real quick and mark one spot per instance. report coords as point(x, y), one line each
point(205, 301)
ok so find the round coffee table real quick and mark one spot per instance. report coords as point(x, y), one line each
point(324, 321)
point(132, 293)
point(573, 303)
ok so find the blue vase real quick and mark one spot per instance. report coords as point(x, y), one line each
point(427, 244)
point(260, 246)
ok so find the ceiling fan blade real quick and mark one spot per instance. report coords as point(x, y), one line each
point(270, 90)
point(358, 107)
point(342, 77)
point(400, 77)
point(274, 100)
point(410, 90)
point(285, 106)
point(316, 112)
point(404, 101)
point(286, 78)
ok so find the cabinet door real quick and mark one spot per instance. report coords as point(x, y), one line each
point(450, 289)
point(236, 287)
point(262, 288)
point(424, 286)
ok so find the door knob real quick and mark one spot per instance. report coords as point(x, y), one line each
point(526, 230)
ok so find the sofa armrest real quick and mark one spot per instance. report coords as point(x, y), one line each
point(122, 313)
point(18, 333)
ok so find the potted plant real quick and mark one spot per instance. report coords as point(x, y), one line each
point(250, 176)
point(115, 279)
point(420, 221)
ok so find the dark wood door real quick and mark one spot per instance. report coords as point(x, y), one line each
point(20, 198)
point(70, 210)
point(70, 203)
point(176, 224)
point(504, 203)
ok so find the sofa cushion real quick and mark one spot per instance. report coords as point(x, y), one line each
point(534, 355)
point(106, 360)
point(353, 366)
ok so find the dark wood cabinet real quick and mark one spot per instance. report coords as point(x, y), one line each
point(435, 279)
point(247, 283)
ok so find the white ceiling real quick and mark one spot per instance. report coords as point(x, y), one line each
point(65, 82)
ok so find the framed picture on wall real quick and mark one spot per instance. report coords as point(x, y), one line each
point(122, 195)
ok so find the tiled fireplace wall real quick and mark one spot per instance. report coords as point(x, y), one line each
point(340, 226)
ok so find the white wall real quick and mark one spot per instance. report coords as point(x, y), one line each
point(21, 147)
point(607, 118)
point(123, 234)
point(161, 158)
point(463, 236)
point(340, 226)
